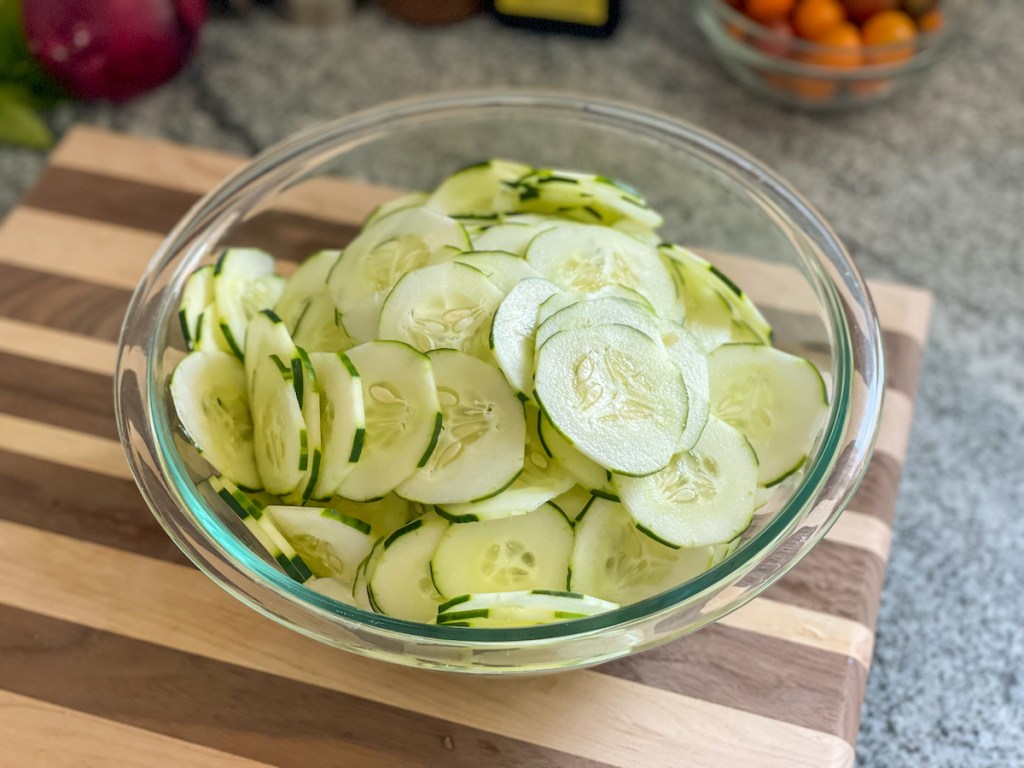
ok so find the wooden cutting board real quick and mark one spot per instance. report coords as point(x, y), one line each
point(115, 651)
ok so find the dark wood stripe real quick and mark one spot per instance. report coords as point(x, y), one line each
point(62, 302)
point(879, 491)
point(54, 394)
point(836, 579)
point(157, 209)
point(234, 709)
point(903, 359)
point(758, 674)
point(83, 505)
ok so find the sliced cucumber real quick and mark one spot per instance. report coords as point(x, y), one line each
point(309, 403)
point(251, 513)
point(503, 269)
point(777, 400)
point(196, 296)
point(482, 188)
point(505, 237)
point(480, 448)
point(516, 609)
point(208, 337)
point(410, 200)
point(613, 560)
point(542, 479)
point(686, 352)
point(267, 335)
point(573, 502)
point(280, 441)
point(588, 473)
point(585, 197)
point(402, 415)
point(306, 283)
point(360, 591)
point(704, 496)
point(444, 306)
point(523, 552)
point(615, 394)
point(212, 401)
point(334, 589)
point(604, 310)
point(587, 258)
point(244, 283)
point(332, 544)
point(371, 265)
point(384, 516)
point(512, 330)
point(342, 419)
point(398, 572)
point(319, 329)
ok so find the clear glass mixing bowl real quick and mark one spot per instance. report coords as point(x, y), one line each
point(297, 197)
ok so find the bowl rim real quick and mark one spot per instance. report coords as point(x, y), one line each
point(153, 466)
point(715, 16)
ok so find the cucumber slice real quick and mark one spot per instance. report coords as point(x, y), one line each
point(480, 448)
point(360, 591)
point(398, 575)
point(573, 502)
point(244, 283)
point(342, 419)
point(481, 188)
point(542, 479)
point(777, 400)
point(208, 338)
point(280, 441)
point(615, 394)
point(303, 286)
point(604, 310)
point(587, 258)
point(588, 473)
point(402, 415)
point(444, 306)
point(331, 544)
point(392, 246)
point(503, 269)
point(513, 327)
point(251, 513)
point(641, 232)
point(508, 237)
point(686, 352)
point(523, 552)
point(704, 496)
point(518, 609)
point(266, 336)
point(584, 196)
point(319, 329)
point(309, 402)
point(211, 398)
point(196, 296)
point(334, 589)
point(384, 516)
point(613, 560)
point(410, 200)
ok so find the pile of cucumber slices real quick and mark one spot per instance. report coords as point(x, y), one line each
point(507, 402)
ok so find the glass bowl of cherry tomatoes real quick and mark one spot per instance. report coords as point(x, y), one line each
point(829, 54)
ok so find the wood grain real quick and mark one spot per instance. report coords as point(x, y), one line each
point(94, 597)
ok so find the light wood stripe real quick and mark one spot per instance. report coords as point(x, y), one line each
point(180, 608)
point(774, 619)
point(894, 428)
point(59, 347)
point(163, 164)
point(35, 733)
point(63, 446)
point(857, 529)
point(85, 250)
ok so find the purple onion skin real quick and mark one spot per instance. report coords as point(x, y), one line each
point(112, 50)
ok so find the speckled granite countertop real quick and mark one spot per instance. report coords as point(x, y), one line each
point(927, 190)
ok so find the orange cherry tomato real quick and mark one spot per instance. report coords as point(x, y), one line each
point(778, 42)
point(813, 17)
point(859, 11)
point(931, 21)
point(893, 29)
point(768, 10)
point(843, 47)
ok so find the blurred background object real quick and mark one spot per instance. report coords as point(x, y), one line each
point(431, 12)
point(589, 18)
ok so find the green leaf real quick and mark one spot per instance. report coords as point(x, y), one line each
point(19, 124)
point(17, 65)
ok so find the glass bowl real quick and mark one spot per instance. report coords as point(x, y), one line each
point(302, 195)
point(811, 75)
